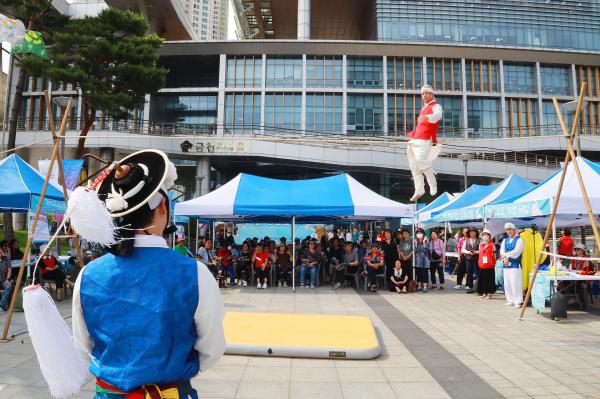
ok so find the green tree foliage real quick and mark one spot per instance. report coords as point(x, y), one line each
point(111, 59)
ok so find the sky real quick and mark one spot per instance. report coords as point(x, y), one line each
point(231, 28)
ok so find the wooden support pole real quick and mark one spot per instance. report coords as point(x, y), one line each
point(570, 153)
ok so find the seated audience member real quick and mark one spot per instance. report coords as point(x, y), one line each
point(261, 258)
point(5, 280)
point(244, 269)
point(398, 279)
point(51, 270)
point(350, 264)
point(226, 258)
point(206, 256)
point(335, 256)
point(15, 252)
point(283, 263)
point(310, 264)
point(374, 265)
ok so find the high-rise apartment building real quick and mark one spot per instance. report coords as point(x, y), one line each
point(208, 18)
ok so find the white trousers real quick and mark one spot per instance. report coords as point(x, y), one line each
point(513, 285)
point(420, 159)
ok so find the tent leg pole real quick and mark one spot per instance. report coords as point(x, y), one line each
point(38, 211)
point(413, 249)
point(569, 139)
point(214, 226)
point(554, 257)
point(293, 253)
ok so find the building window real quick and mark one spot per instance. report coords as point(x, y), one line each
point(283, 113)
point(185, 112)
point(519, 78)
point(364, 72)
point(402, 113)
point(244, 71)
point(521, 114)
point(591, 76)
point(481, 76)
point(483, 117)
point(242, 113)
point(404, 73)
point(556, 80)
point(284, 72)
point(444, 74)
point(451, 123)
point(551, 123)
point(323, 112)
point(323, 71)
point(365, 113)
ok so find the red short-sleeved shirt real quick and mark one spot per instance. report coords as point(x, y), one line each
point(565, 246)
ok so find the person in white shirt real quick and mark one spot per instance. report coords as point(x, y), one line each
point(511, 251)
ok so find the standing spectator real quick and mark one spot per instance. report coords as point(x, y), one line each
point(486, 284)
point(51, 270)
point(6, 280)
point(451, 246)
point(283, 262)
point(348, 236)
point(244, 269)
point(225, 256)
point(182, 249)
point(462, 260)
point(406, 254)
point(437, 250)
point(390, 252)
point(374, 262)
point(355, 235)
point(511, 250)
point(260, 258)
point(471, 253)
point(565, 244)
point(422, 260)
point(310, 263)
point(335, 255)
point(398, 279)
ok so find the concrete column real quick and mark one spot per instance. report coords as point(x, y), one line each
point(538, 77)
point(424, 70)
point(146, 114)
point(221, 95)
point(463, 78)
point(574, 81)
point(503, 117)
point(303, 94)
point(303, 19)
point(202, 176)
point(263, 86)
point(107, 153)
point(344, 95)
point(385, 96)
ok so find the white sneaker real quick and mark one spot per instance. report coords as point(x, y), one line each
point(285, 284)
point(312, 287)
point(244, 283)
point(240, 283)
point(279, 284)
point(458, 287)
point(509, 304)
point(264, 286)
point(518, 305)
point(305, 286)
point(433, 190)
point(258, 286)
point(416, 196)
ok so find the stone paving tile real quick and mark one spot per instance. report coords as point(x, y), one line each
point(321, 390)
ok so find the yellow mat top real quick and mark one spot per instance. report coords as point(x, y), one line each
point(300, 330)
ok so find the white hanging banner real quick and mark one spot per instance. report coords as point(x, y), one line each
point(43, 165)
point(42, 230)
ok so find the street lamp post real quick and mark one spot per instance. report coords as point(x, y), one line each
point(465, 158)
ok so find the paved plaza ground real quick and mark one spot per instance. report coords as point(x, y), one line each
point(444, 344)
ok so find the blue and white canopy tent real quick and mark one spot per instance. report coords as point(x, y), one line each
point(21, 187)
point(469, 206)
point(260, 199)
point(535, 205)
point(425, 212)
point(255, 198)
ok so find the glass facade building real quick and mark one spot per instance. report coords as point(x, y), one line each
point(556, 24)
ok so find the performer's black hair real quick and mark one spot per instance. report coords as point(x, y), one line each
point(126, 226)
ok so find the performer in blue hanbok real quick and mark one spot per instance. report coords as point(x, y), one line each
point(148, 318)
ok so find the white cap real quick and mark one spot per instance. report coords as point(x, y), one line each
point(508, 226)
point(486, 231)
point(426, 89)
point(580, 246)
